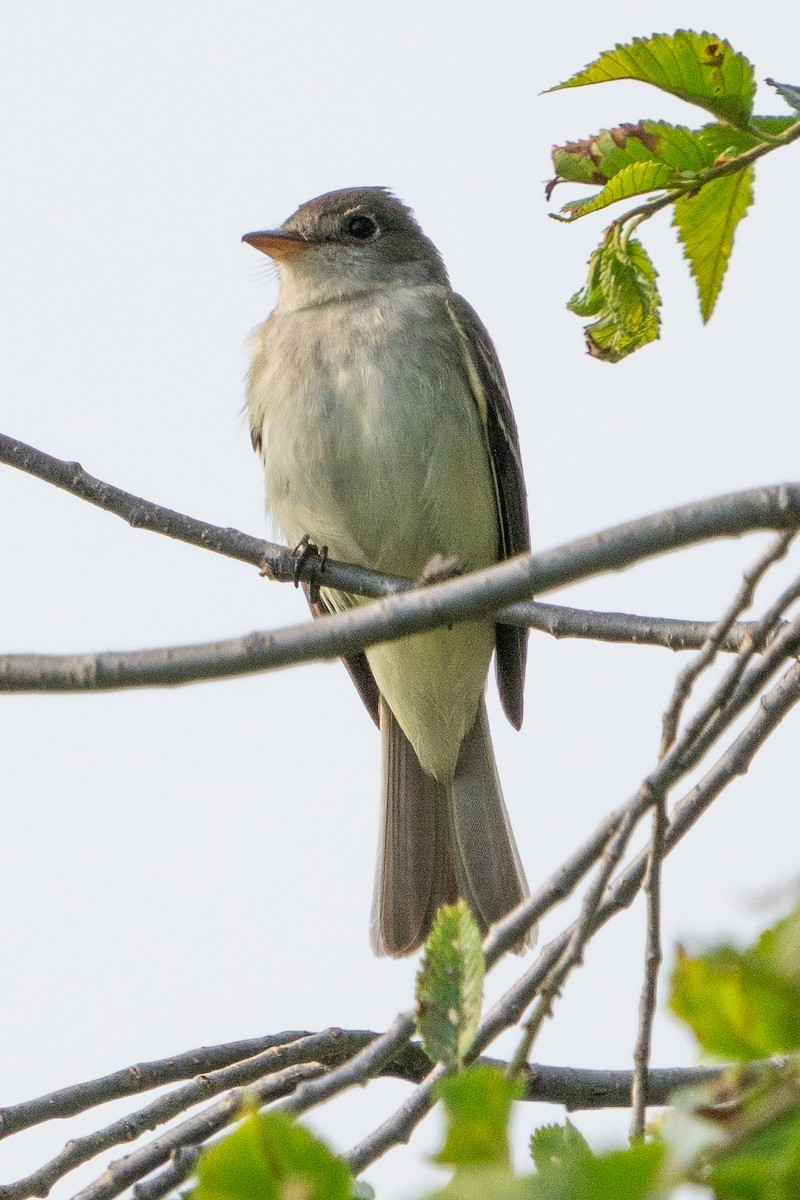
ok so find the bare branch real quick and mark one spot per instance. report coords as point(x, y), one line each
point(572, 955)
point(273, 1061)
point(652, 966)
point(125, 1171)
point(365, 1065)
point(740, 603)
point(276, 561)
point(140, 1077)
point(624, 629)
point(731, 515)
point(508, 932)
point(168, 665)
point(402, 611)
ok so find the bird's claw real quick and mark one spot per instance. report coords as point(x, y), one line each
point(303, 551)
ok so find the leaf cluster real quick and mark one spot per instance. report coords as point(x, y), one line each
point(705, 175)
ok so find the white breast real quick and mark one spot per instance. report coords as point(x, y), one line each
point(371, 440)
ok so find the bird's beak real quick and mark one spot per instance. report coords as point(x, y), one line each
point(277, 244)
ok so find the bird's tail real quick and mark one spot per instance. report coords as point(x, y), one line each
point(439, 841)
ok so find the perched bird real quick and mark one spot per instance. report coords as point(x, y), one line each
point(382, 418)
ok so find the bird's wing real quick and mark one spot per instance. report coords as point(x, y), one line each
point(491, 396)
point(357, 665)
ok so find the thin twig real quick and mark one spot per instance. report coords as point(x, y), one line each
point(582, 931)
point(705, 727)
point(509, 931)
point(653, 792)
point(652, 966)
point(82, 1149)
point(574, 1088)
point(740, 603)
point(363, 1066)
point(621, 629)
point(652, 883)
point(141, 1077)
point(128, 1170)
point(770, 632)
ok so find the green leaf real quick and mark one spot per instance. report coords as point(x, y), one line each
point(630, 181)
point(698, 67)
point(552, 1145)
point(477, 1106)
point(723, 141)
point(487, 1183)
point(450, 985)
point(621, 291)
point(591, 300)
point(269, 1157)
point(744, 1179)
point(790, 93)
point(740, 1133)
point(778, 948)
point(600, 158)
point(706, 222)
point(773, 125)
point(737, 1005)
point(629, 1174)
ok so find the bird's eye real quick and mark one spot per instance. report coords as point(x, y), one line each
point(362, 227)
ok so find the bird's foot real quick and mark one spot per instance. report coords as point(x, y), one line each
point(303, 551)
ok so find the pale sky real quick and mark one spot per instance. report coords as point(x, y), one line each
point(195, 865)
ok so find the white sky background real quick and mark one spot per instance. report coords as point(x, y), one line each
point(192, 866)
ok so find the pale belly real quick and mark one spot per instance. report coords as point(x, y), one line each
point(382, 459)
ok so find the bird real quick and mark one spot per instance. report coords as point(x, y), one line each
point(382, 418)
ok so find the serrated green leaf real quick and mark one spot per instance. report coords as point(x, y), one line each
point(790, 93)
point(477, 1106)
point(552, 1145)
point(737, 1007)
point(621, 291)
point(600, 158)
point(698, 67)
point(638, 178)
point(629, 1174)
point(706, 222)
point(270, 1157)
point(450, 985)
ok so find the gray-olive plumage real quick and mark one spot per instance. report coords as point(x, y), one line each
point(381, 414)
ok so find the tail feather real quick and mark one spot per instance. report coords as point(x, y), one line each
point(415, 873)
point(439, 841)
point(488, 868)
